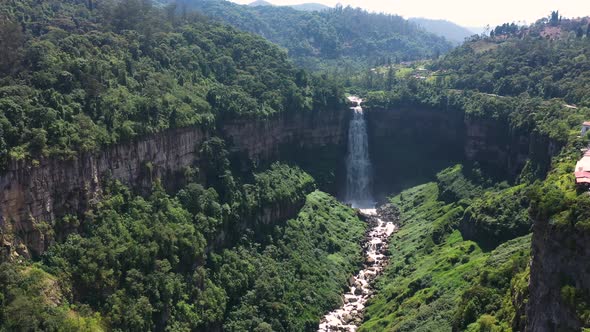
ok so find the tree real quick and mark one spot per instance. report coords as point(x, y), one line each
point(390, 78)
point(11, 42)
point(554, 19)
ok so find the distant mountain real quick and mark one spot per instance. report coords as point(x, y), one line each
point(330, 37)
point(447, 29)
point(310, 6)
point(260, 3)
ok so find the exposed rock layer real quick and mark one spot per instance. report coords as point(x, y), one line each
point(560, 257)
point(405, 145)
point(32, 197)
point(409, 146)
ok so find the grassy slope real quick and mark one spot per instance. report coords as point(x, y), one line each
point(424, 284)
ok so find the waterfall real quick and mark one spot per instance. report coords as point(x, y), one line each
point(358, 164)
point(359, 194)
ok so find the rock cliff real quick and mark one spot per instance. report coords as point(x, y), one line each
point(34, 196)
point(409, 146)
point(560, 277)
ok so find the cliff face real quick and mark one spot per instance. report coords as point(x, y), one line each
point(409, 146)
point(494, 145)
point(33, 197)
point(560, 258)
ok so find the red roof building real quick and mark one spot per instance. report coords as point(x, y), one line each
point(582, 170)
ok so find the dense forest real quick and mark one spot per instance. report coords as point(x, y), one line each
point(545, 60)
point(342, 36)
point(259, 245)
point(80, 75)
point(140, 264)
point(461, 258)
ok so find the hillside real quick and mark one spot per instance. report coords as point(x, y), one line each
point(81, 87)
point(329, 37)
point(310, 6)
point(545, 60)
point(260, 3)
point(163, 171)
point(451, 31)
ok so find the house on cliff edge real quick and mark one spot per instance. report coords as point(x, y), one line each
point(582, 170)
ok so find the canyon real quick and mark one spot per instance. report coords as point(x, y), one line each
point(35, 195)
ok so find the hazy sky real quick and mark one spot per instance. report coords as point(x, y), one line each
point(472, 13)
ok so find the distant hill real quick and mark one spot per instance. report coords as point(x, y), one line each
point(334, 37)
point(447, 29)
point(260, 3)
point(310, 6)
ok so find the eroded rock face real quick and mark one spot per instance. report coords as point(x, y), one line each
point(492, 143)
point(32, 197)
point(408, 146)
point(560, 258)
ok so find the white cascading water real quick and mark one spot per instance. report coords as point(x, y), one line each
point(358, 164)
point(358, 193)
point(350, 314)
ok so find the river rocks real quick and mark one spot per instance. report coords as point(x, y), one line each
point(350, 315)
point(351, 280)
point(388, 212)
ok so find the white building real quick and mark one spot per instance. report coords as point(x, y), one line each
point(585, 128)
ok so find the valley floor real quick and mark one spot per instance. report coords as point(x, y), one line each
point(439, 281)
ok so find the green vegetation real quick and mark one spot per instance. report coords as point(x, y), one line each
point(547, 59)
point(339, 39)
point(437, 280)
point(79, 75)
point(33, 300)
point(140, 264)
point(303, 273)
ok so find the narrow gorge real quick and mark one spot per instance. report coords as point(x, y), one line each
point(359, 194)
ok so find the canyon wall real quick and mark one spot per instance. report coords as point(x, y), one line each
point(560, 278)
point(34, 196)
point(504, 150)
point(408, 146)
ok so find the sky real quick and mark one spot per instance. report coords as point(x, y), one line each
point(468, 13)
